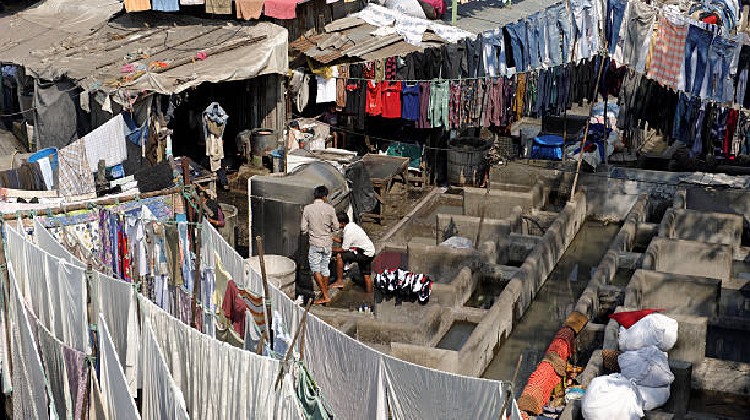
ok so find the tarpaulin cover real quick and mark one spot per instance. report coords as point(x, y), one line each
point(91, 54)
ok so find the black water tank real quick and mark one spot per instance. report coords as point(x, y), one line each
point(466, 160)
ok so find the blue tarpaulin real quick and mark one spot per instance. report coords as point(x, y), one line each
point(547, 147)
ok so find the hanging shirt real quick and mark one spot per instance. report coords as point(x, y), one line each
point(410, 102)
point(137, 5)
point(391, 99)
point(233, 307)
point(326, 87)
point(166, 5)
point(281, 9)
point(374, 102)
point(248, 9)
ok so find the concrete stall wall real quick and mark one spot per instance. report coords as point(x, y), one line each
point(467, 226)
point(675, 293)
point(497, 324)
point(693, 225)
point(588, 303)
point(689, 258)
point(441, 263)
point(499, 204)
point(724, 201)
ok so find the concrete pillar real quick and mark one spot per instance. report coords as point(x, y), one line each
point(679, 392)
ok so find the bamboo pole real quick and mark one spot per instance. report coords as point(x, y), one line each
point(266, 289)
point(300, 333)
point(6, 294)
point(104, 202)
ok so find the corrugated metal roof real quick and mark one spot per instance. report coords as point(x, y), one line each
point(352, 37)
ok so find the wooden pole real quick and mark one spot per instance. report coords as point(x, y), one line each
point(481, 216)
point(509, 393)
point(266, 290)
point(586, 130)
point(300, 332)
point(105, 202)
point(454, 12)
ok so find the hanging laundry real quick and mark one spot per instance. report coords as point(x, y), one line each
point(161, 399)
point(75, 176)
point(281, 9)
point(248, 9)
point(107, 143)
point(137, 5)
point(166, 5)
point(116, 396)
point(29, 394)
point(326, 87)
point(219, 7)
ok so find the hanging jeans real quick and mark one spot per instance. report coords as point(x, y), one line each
point(615, 14)
point(535, 35)
point(518, 42)
point(584, 27)
point(698, 41)
point(720, 56)
point(558, 34)
point(741, 86)
point(637, 33)
point(684, 119)
point(439, 96)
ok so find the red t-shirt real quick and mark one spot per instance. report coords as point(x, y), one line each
point(374, 102)
point(392, 99)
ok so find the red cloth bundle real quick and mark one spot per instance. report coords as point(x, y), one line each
point(627, 319)
point(562, 344)
point(538, 388)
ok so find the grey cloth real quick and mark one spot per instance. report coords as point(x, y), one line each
point(54, 367)
point(637, 31)
point(118, 402)
point(55, 114)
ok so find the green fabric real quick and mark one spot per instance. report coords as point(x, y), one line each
point(312, 403)
point(412, 151)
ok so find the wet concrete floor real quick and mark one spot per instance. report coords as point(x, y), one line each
point(533, 333)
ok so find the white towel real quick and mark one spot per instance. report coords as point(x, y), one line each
point(107, 142)
point(46, 168)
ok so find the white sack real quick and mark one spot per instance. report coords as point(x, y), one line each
point(653, 330)
point(647, 367)
point(611, 397)
point(653, 397)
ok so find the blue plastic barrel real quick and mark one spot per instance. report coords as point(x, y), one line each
point(50, 152)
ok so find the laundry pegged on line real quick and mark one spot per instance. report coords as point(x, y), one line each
point(404, 284)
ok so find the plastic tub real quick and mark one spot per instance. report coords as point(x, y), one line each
point(50, 152)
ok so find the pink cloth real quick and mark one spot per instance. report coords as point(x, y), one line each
point(281, 9)
point(439, 5)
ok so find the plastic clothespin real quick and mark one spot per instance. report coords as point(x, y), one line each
point(49, 213)
point(89, 206)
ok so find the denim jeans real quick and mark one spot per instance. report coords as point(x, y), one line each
point(558, 34)
point(319, 257)
point(536, 32)
point(493, 53)
point(741, 86)
point(684, 119)
point(698, 41)
point(582, 11)
point(720, 56)
point(519, 43)
point(615, 14)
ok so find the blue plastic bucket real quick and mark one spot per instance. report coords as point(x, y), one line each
point(50, 152)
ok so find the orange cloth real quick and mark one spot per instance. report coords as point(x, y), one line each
point(248, 9)
point(137, 5)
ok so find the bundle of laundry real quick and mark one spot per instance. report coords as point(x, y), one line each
point(405, 284)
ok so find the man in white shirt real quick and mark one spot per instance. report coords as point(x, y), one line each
point(356, 247)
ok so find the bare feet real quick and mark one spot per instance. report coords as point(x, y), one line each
point(322, 301)
point(337, 284)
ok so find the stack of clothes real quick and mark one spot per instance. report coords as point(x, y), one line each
point(404, 284)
